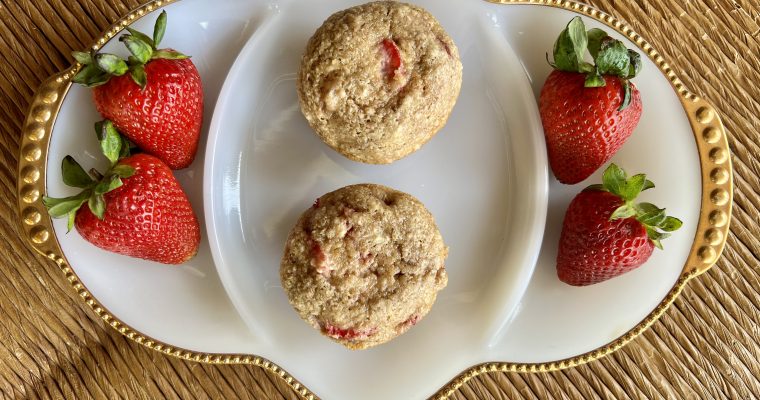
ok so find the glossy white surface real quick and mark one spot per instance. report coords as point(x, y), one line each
point(482, 177)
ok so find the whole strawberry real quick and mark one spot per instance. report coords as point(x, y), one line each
point(588, 110)
point(136, 208)
point(155, 97)
point(605, 234)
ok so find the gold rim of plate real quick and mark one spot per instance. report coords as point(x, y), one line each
point(710, 238)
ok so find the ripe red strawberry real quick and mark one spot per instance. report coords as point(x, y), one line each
point(158, 105)
point(137, 208)
point(605, 234)
point(588, 110)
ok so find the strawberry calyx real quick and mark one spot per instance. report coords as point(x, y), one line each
point(94, 184)
point(657, 223)
point(98, 68)
point(610, 57)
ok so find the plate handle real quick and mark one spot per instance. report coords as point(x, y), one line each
point(36, 224)
point(717, 185)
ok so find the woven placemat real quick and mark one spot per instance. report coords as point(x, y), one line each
point(705, 346)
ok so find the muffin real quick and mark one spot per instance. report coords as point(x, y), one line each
point(378, 80)
point(364, 264)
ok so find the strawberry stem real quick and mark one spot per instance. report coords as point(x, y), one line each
point(99, 68)
point(657, 223)
point(610, 57)
point(94, 185)
point(95, 173)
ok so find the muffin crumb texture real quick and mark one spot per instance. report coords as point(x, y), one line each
point(364, 264)
point(378, 80)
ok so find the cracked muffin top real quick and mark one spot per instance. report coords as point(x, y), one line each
point(378, 80)
point(364, 264)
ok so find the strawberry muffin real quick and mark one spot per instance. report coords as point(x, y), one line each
point(364, 264)
point(378, 80)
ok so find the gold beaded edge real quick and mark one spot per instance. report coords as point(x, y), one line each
point(710, 238)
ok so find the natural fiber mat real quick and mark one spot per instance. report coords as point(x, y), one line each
point(707, 345)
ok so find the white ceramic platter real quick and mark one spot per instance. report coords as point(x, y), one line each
point(484, 177)
point(264, 167)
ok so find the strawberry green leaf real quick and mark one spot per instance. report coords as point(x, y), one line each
point(137, 73)
point(570, 46)
point(626, 95)
point(649, 214)
point(67, 206)
point(635, 64)
point(82, 57)
point(593, 79)
point(143, 37)
point(59, 207)
point(634, 186)
point(73, 173)
point(159, 29)
point(613, 58)
point(643, 208)
point(614, 179)
point(110, 140)
point(624, 211)
point(595, 37)
point(53, 201)
point(102, 186)
point(116, 183)
point(169, 55)
point(651, 217)
point(610, 55)
point(655, 237)
point(97, 205)
point(123, 170)
point(550, 62)
point(91, 75)
point(125, 147)
point(670, 224)
point(108, 184)
point(140, 50)
point(71, 217)
point(111, 64)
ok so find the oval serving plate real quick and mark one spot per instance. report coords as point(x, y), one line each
point(185, 312)
point(265, 166)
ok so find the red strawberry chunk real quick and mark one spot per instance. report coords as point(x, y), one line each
point(391, 64)
point(445, 46)
point(319, 259)
point(347, 333)
point(410, 322)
